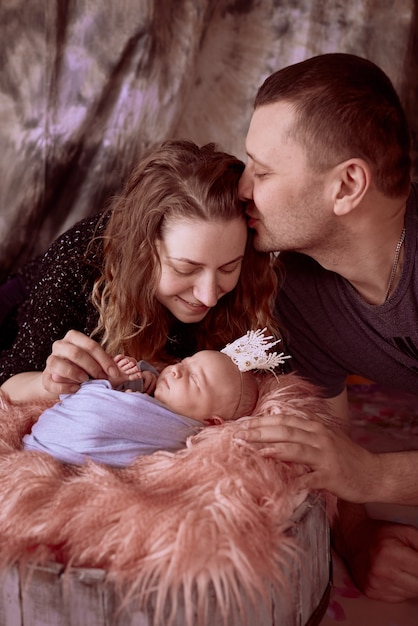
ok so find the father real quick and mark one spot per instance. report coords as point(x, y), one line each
point(328, 184)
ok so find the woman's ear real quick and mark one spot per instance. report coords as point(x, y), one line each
point(352, 181)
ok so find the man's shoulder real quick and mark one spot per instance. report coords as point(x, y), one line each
point(299, 268)
point(412, 203)
point(295, 260)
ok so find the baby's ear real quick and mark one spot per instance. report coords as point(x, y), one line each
point(214, 420)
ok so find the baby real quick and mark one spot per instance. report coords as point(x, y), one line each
point(104, 423)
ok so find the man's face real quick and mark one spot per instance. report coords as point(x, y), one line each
point(287, 201)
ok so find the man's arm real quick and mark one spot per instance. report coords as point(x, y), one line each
point(395, 472)
point(382, 557)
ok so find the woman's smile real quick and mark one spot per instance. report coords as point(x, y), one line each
point(190, 285)
point(197, 306)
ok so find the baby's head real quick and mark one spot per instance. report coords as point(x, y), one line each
point(219, 383)
point(207, 384)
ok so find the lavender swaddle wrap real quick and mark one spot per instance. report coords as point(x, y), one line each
point(108, 426)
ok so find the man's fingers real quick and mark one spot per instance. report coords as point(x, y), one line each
point(277, 433)
point(257, 425)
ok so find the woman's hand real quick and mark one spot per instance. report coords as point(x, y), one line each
point(75, 359)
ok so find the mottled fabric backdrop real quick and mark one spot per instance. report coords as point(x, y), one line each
point(86, 85)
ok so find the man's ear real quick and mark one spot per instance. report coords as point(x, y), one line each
point(352, 180)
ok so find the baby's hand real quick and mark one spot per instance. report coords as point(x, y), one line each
point(150, 381)
point(128, 365)
point(130, 371)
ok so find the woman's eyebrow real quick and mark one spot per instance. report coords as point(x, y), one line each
point(191, 262)
point(183, 260)
point(239, 258)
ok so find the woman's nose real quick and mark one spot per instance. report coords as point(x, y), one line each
point(245, 188)
point(206, 291)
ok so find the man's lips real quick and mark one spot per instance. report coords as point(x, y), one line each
point(251, 221)
point(250, 214)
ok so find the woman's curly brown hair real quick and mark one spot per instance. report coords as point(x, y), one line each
point(175, 180)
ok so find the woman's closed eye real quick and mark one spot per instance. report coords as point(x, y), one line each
point(185, 272)
point(231, 268)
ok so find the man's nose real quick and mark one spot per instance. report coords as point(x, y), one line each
point(245, 187)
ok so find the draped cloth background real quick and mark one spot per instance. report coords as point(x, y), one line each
point(86, 85)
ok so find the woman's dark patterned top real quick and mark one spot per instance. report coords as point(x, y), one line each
point(59, 300)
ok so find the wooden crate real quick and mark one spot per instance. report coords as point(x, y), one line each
point(82, 597)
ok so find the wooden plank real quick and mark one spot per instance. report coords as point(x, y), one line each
point(260, 615)
point(84, 594)
point(42, 597)
point(314, 540)
point(131, 615)
point(10, 610)
point(308, 571)
point(47, 597)
point(246, 614)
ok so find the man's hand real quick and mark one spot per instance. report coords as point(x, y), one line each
point(336, 463)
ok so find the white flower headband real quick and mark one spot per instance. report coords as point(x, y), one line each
point(250, 352)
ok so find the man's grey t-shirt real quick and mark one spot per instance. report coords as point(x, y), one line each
point(331, 332)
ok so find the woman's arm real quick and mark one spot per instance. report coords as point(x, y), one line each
point(73, 360)
point(58, 302)
point(25, 387)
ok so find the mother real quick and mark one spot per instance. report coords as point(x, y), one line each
point(169, 269)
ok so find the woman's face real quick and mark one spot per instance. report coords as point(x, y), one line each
point(200, 262)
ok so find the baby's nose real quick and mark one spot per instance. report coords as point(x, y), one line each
point(176, 370)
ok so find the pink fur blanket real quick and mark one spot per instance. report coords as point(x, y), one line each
point(214, 515)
